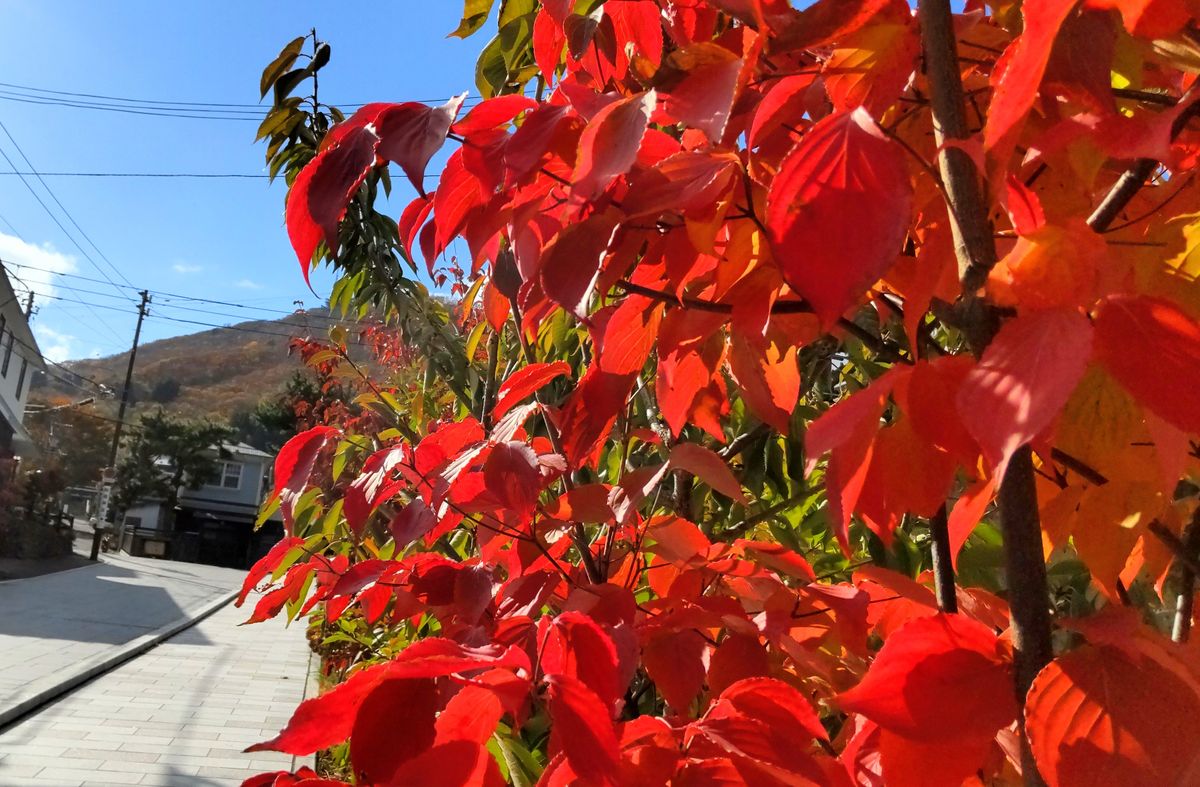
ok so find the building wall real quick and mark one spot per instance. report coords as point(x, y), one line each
point(14, 317)
point(148, 516)
point(248, 494)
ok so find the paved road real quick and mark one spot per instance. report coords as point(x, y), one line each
point(54, 623)
point(179, 714)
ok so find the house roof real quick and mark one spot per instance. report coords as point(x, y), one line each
point(245, 451)
point(27, 346)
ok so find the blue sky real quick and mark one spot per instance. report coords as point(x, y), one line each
point(219, 239)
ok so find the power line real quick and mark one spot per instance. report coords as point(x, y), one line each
point(168, 295)
point(208, 175)
point(54, 218)
point(169, 103)
point(62, 207)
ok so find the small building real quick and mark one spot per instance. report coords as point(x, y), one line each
point(213, 524)
point(20, 358)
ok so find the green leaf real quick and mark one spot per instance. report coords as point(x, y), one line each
point(491, 72)
point(513, 9)
point(280, 64)
point(288, 82)
point(475, 13)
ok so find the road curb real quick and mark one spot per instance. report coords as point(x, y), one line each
point(41, 692)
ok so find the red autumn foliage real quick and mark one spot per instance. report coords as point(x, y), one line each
point(767, 317)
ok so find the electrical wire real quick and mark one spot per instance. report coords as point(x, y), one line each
point(191, 110)
point(62, 207)
point(165, 296)
point(50, 213)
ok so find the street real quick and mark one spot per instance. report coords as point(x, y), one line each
point(178, 713)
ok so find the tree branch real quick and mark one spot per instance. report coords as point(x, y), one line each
point(1181, 627)
point(975, 249)
point(943, 562)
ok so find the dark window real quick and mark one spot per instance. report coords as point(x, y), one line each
point(21, 377)
point(7, 354)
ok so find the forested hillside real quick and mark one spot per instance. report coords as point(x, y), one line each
point(214, 373)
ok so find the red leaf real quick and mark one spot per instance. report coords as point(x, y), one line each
point(414, 520)
point(703, 97)
point(769, 377)
point(683, 182)
point(577, 646)
point(383, 739)
point(782, 707)
point(453, 764)
point(1098, 715)
point(326, 719)
point(778, 558)
point(829, 20)
point(294, 464)
point(848, 430)
point(838, 211)
point(512, 474)
point(570, 264)
point(590, 412)
point(626, 335)
point(1152, 348)
point(609, 144)
point(266, 564)
point(457, 193)
point(493, 112)
point(471, 715)
point(1150, 19)
point(587, 503)
point(582, 729)
point(738, 656)
point(872, 67)
point(410, 133)
point(929, 402)
point(674, 660)
point(375, 485)
point(1023, 380)
point(531, 142)
point(1018, 74)
point(909, 763)
point(782, 104)
point(708, 467)
point(524, 382)
point(319, 196)
point(967, 512)
point(938, 678)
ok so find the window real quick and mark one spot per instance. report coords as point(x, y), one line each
point(229, 475)
point(21, 377)
point(7, 354)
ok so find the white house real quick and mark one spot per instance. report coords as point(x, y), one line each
point(213, 524)
point(20, 358)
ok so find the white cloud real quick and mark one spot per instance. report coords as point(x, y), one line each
point(43, 261)
point(54, 345)
point(184, 268)
point(247, 284)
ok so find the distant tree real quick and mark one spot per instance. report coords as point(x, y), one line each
point(165, 455)
point(164, 390)
point(72, 441)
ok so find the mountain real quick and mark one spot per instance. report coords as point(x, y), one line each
point(214, 373)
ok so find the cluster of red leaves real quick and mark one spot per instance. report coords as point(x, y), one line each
point(709, 187)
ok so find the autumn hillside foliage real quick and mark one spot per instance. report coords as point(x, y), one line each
point(819, 408)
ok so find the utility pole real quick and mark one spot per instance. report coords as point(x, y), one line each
point(137, 335)
point(29, 305)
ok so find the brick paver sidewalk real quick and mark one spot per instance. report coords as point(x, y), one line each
point(179, 714)
point(52, 624)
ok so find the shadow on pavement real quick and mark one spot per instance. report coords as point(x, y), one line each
point(110, 604)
